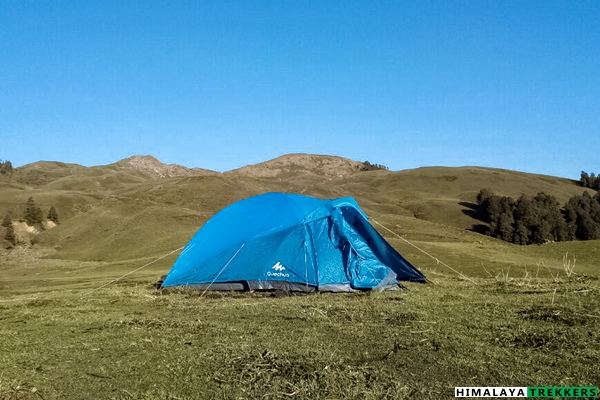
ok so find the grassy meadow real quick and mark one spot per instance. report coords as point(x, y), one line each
point(494, 314)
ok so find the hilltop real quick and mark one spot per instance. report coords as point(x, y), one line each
point(291, 165)
point(152, 167)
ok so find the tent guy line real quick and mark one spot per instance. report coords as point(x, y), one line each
point(189, 246)
point(180, 248)
point(437, 260)
point(223, 269)
point(131, 272)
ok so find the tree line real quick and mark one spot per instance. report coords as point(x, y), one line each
point(589, 180)
point(6, 168)
point(540, 219)
point(367, 166)
point(33, 216)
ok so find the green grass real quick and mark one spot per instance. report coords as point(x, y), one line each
point(129, 341)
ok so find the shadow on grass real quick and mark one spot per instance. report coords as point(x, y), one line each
point(471, 211)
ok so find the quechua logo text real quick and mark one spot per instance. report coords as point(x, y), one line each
point(278, 271)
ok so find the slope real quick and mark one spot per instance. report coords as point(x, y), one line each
point(117, 213)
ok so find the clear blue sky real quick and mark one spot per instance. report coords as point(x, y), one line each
point(221, 84)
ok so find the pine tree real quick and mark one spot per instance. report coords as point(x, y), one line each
point(53, 215)
point(483, 202)
point(33, 214)
point(500, 213)
point(584, 179)
point(505, 229)
point(583, 216)
point(551, 225)
point(521, 233)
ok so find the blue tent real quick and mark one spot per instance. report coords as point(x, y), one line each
point(290, 242)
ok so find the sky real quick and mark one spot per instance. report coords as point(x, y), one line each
point(222, 84)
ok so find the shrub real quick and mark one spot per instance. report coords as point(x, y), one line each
point(367, 166)
point(10, 235)
point(7, 221)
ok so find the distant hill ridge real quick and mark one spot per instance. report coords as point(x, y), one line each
point(139, 205)
point(297, 163)
point(152, 166)
point(147, 166)
point(322, 165)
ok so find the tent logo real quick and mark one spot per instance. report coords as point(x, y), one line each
point(278, 267)
point(279, 274)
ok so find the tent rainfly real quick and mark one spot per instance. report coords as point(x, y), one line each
point(279, 241)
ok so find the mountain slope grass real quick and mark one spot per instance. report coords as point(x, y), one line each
point(77, 322)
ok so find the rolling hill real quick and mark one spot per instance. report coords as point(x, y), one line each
point(80, 317)
point(140, 208)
